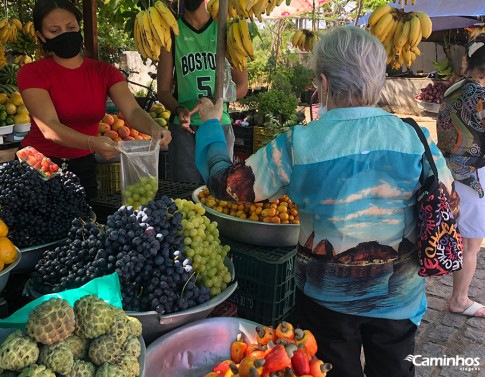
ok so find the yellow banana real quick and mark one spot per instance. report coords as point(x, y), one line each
point(160, 27)
point(240, 6)
point(397, 32)
point(155, 27)
point(269, 8)
point(26, 27)
point(167, 16)
point(213, 8)
point(426, 24)
point(296, 37)
point(17, 23)
point(413, 2)
point(246, 37)
point(383, 26)
point(236, 35)
point(390, 35)
point(416, 51)
point(301, 41)
point(259, 8)
point(403, 38)
point(414, 31)
point(407, 57)
point(3, 22)
point(378, 13)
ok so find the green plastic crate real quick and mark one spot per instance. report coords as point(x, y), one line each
point(264, 311)
point(261, 264)
point(266, 284)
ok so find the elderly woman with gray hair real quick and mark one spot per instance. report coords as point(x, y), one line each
point(353, 174)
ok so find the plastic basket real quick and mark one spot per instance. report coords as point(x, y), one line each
point(108, 178)
point(261, 137)
point(243, 139)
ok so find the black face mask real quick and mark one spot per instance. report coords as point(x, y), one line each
point(66, 45)
point(192, 5)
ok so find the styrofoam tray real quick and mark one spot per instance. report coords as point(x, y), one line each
point(21, 127)
point(5, 130)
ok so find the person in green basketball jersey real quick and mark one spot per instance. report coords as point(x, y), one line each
point(185, 74)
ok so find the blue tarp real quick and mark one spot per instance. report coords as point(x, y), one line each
point(445, 14)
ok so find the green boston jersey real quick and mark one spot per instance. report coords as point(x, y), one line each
point(195, 66)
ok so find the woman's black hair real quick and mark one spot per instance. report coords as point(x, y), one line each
point(476, 62)
point(44, 7)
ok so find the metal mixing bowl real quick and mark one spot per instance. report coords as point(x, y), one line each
point(194, 349)
point(5, 273)
point(251, 232)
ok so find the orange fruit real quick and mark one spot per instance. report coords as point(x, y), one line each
point(2, 265)
point(3, 229)
point(8, 252)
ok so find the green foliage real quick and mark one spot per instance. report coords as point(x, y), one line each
point(112, 41)
point(278, 104)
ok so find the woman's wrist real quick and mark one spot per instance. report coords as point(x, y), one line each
point(177, 109)
point(89, 143)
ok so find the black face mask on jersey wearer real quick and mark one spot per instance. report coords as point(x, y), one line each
point(66, 45)
point(192, 5)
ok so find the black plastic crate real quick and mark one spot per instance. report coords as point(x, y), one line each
point(106, 205)
point(261, 264)
point(243, 139)
point(254, 289)
point(265, 311)
point(164, 166)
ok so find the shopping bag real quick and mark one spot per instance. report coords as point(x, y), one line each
point(139, 171)
point(106, 287)
point(440, 248)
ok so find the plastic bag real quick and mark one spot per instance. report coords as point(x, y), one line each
point(106, 287)
point(139, 171)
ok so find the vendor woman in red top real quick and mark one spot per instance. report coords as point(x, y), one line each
point(66, 93)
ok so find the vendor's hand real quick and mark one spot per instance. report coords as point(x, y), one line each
point(163, 134)
point(184, 119)
point(104, 146)
point(207, 110)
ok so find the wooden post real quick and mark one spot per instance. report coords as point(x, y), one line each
point(90, 29)
point(221, 48)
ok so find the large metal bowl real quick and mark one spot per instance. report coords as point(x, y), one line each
point(5, 273)
point(142, 358)
point(155, 325)
point(32, 254)
point(194, 349)
point(251, 232)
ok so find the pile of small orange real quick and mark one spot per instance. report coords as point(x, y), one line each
point(8, 252)
point(280, 211)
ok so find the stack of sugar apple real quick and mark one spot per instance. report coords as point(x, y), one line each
point(93, 339)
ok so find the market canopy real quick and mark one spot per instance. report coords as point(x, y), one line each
point(296, 8)
point(445, 14)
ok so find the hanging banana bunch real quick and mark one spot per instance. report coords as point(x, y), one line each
point(239, 45)
point(152, 30)
point(29, 30)
point(400, 33)
point(9, 30)
point(244, 8)
point(304, 39)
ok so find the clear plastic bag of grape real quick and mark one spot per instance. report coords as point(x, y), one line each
point(139, 171)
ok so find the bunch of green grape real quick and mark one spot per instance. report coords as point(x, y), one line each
point(203, 246)
point(140, 193)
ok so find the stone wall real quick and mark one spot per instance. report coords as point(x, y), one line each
point(132, 61)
